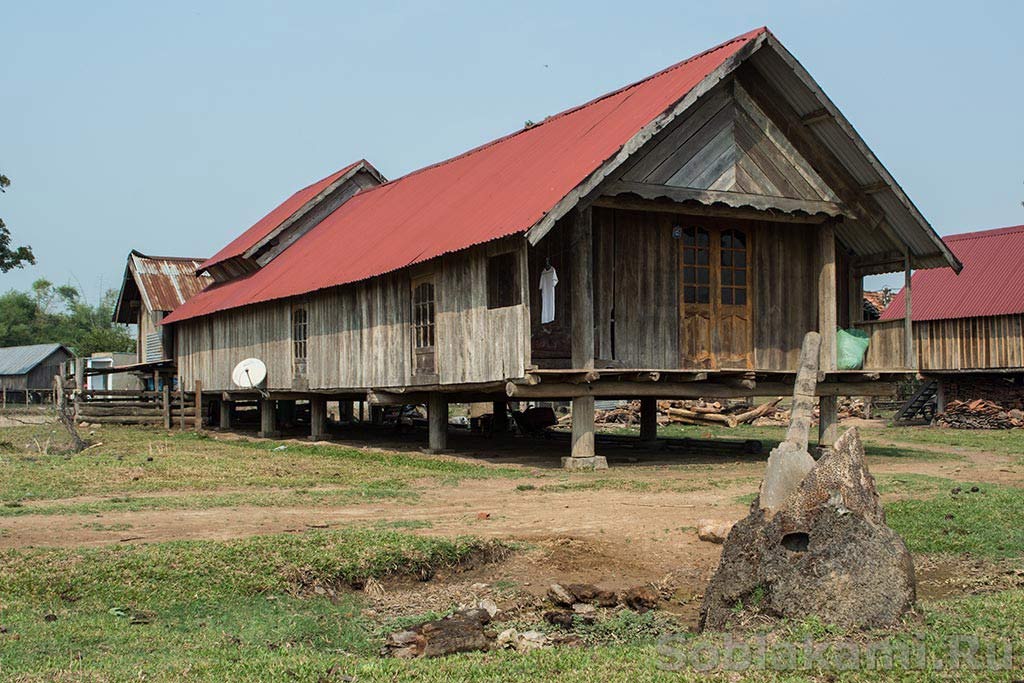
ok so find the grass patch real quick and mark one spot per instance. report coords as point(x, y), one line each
point(134, 460)
point(986, 522)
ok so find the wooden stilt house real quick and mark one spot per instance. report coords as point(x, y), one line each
point(674, 238)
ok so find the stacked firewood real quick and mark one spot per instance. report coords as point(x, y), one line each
point(697, 412)
point(979, 414)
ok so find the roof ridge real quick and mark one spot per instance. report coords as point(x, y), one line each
point(479, 148)
point(988, 232)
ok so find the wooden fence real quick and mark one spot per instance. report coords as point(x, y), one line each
point(166, 408)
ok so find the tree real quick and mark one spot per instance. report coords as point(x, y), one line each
point(11, 257)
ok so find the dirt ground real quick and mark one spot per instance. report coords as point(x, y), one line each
point(615, 535)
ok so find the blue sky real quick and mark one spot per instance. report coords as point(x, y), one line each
point(171, 127)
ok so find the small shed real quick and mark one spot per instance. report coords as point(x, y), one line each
point(969, 328)
point(153, 287)
point(28, 369)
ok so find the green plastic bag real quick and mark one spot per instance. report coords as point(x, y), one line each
point(851, 346)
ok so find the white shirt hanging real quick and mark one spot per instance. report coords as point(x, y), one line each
point(548, 281)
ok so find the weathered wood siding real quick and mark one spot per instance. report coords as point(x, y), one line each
point(359, 335)
point(886, 345)
point(995, 342)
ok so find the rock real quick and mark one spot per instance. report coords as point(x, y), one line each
point(489, 605)
point(640, 599)
point(713, 531)
point(824, 552)
point(50, 617)
point(583, 608)
point(582, 592)
point(560, 596)
point(532, 640)
point(559, 617)
point(605, 598)
point(788, 464)
point(462, 631)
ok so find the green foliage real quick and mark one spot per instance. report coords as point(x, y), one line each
point(58, 313)
point(11, 257)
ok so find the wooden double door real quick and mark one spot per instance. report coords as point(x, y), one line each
point(716, 329)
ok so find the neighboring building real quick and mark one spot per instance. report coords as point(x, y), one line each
point(876, 302)
point(30, 369)
point(969, 328)
point(115, 380)
point(153, 286)
point(700, 222)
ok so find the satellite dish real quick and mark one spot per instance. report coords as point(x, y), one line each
point(249, 373)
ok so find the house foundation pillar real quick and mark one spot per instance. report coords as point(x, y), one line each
point(437, 423)
point(225, 415)
point(499, 423)
point(317, 418)
point(268, 419)
point(648, 419)
point(828, 421)
point(346, 411)
point(583, 455)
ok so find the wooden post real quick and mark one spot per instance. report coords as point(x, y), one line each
point(318, 417)
point(583, 455)
point(199, 406)
point(909, 357)
point(499, 411)
point(345, 410)
point(268, 419)
point(225, 414)
point(940, 397)
point(437, 421)
point(856, 298)
point(828, 421)
point(827, 296)
point(181, 404)
point(166, 397)
point(79, 374)
point(648, 419)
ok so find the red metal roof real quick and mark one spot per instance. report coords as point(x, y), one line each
point(498, 189)
point(279, 215)
point(991, 283)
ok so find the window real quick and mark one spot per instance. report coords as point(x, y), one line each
point(503, 281)
point(423, 327)
point(734, 268)
point(300, 337)
point(696, 266)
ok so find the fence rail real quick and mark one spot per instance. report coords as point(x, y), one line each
point(165, 408)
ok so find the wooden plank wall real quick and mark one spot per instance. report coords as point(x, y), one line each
point(785, 270)
point(885, 350)
point(359, 335)
point(971, 343)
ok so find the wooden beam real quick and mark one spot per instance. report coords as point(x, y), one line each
point(735, 200)
point(437, 422)
point(691, 209)
point(815, 116)
point(582, 274)
point(827, 296)
point(317, 418)
point(875, 188)
point(669, 390)
point(909, 356)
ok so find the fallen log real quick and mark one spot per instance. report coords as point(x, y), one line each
point(718, 418)
point(757, 412)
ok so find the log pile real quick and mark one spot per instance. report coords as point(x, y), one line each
point(697, 412)
point(979, 414)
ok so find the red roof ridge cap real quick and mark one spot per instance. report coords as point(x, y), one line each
point(980, 234)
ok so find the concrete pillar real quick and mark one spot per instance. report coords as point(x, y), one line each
point(499, 409)
point(437, 421)
point(268, 419)
point(317, 418)
point(648, 419)
point(225, 414)
point(828, 421)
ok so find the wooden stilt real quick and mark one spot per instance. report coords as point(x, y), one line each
point(437, 421)
point(318, 418)
point(225, 414)
point(648, 419)
point(268, 419)
point(499, 409)
point(828, 421)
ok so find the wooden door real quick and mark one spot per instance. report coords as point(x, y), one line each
point(716, 329)
point(424, 358)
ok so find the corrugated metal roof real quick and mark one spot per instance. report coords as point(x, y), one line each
point(163, 283)
point(991, 283)
point(279, 215)
point(498, 189)
point(18, 360)
point(516, 182)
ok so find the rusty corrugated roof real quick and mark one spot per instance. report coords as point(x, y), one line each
point(991, 283)
point(163, 283)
